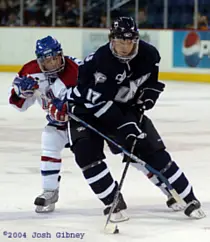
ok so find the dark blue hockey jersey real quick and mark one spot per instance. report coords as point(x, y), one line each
point(106, 85)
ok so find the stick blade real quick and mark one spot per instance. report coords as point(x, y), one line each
point(111, 228)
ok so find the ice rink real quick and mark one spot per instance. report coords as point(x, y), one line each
point(183, 119)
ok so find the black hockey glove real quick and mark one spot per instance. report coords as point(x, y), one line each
point(128, 132)
point(149, 96)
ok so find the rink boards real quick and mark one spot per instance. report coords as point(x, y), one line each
point(184, 54)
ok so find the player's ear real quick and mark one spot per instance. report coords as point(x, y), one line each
point(110, 37)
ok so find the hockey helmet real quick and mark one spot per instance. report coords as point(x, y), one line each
point(49, 55)
point(124, 28)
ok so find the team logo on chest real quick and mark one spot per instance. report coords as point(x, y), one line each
point(120, 77)
point(99, 77)
point(126, 93)
point(50, 94)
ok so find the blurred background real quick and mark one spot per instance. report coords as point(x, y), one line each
point(149, 14)
point(179, 29)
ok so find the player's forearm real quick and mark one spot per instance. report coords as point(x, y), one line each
point(16, 101)
point(110, 114)
point(21, 104)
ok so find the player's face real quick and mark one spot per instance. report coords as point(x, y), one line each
point(52, 63)
point(123, 47)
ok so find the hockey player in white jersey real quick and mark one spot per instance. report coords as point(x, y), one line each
point(52, 74)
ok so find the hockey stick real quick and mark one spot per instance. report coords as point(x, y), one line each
point(110, 227)
point(131, 156)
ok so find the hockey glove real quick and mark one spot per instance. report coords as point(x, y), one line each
point(135, 137)
point(149, 96)
point(129, 132)
point(58, 111)
point(25, 86)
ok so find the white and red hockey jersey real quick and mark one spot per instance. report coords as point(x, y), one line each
point(55, 88)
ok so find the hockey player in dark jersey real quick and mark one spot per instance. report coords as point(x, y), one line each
point(116, 85)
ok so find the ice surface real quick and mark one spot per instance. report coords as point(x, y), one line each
point(182, 116)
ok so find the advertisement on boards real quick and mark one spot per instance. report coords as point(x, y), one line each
point(191, 49)
point(150, 36)
point(94, 38)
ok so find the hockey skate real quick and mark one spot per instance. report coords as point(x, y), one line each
point(45, 203)
point(119, 214)
point(174, 205)
point(193, 210)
